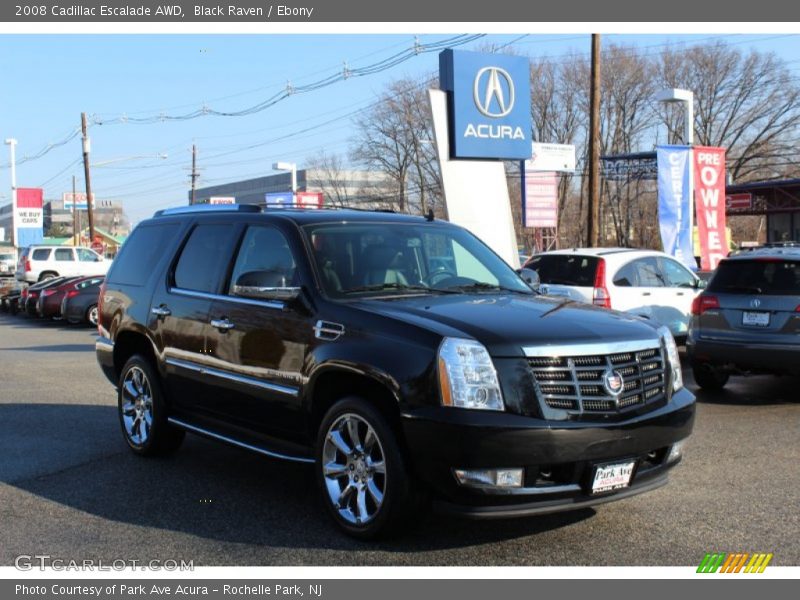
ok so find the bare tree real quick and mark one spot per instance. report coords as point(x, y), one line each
point(395, 138)
point(746, 102)
point(333, 177)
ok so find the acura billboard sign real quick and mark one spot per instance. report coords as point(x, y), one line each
point(488, 104)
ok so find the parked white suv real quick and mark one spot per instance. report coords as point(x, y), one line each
point(641, 282)
point(37, 263)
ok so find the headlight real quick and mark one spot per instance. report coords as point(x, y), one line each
point(673, 357)
point(467, 378)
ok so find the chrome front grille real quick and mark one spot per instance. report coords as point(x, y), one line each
point(577, 382)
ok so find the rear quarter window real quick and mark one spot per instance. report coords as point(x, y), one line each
point(565, 269)
point(141, 253)
point(41, 254)
point(775, 277)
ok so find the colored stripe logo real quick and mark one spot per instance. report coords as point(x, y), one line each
point(735, 562)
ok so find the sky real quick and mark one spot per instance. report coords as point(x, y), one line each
point(48, 80)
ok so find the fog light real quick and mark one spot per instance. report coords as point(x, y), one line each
point(675, 452)
point(500, 478)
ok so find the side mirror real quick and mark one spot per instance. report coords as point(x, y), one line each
point(531, 277)
point(265, 285)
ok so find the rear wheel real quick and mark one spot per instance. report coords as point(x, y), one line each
point(143, 411)
point(361, 471)
point(47, 275)
point(710, 378)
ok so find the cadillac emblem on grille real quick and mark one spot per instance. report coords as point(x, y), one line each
point(613, 383)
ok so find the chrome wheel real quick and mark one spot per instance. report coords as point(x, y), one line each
point(354, 469)
point(137, 406)
point(91, 316)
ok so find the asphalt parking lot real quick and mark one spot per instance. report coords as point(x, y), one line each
point(70, 489)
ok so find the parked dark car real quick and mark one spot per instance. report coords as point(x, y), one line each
point(748, 318)
point(33, 292)
point(50, 299)
point(325, 337)
point(79, 304)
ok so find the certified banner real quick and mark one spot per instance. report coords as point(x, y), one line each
point(709, 200)
point(674, 203)
point(28, 217)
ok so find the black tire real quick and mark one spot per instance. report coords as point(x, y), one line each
point(709, 378)
point(398, 499)
point(88, 315)
point(47, 275)
point(161, 438)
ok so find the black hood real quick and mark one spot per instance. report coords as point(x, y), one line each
point(505, 323)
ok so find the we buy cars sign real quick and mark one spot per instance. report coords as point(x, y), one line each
point(709, 197)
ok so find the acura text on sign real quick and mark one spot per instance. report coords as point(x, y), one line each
point(488, 104)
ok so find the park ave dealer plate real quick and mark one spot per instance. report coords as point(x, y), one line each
point(613, 476)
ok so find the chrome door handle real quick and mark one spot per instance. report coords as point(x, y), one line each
point(680, 293)
point(222, 324)
point(161, 311)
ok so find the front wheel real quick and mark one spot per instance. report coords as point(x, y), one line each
point(91, 315)
point(143, 412)
point(709, 378)
point(360, 470)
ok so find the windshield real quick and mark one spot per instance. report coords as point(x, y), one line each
point(355, 259)
point(773, 277)
point(6, 257)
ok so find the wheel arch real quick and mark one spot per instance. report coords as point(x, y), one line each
point(130, 342)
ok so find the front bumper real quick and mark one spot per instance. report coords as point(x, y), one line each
point(744, 356)
point(558, 458)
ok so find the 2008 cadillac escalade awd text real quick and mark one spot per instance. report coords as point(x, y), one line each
point(398, 354)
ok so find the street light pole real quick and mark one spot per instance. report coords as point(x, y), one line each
point(12, 144)
point(287, 166)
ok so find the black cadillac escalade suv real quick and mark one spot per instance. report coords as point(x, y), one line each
point(398, 354)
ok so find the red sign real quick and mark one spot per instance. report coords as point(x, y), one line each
point(541, 199)
point(709, 192)
point(309, 199)
point(743, 201)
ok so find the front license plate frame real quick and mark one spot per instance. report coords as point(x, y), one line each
point(610, 477)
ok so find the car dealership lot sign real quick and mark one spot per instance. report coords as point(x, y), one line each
point(488, 104)
point(674, 203)
point(28, 217)
point(709, 185)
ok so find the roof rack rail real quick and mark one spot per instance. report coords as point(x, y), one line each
point(207, 208)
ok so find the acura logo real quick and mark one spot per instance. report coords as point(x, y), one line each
point(755, 303)
point(494, 92)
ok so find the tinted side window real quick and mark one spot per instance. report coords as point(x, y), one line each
point(264, 260)
point(675, 274)
point(141, 252)
point(86, 255)
point(64, 254)
point(204, 257)
point(648, 272)
point(41, 254)
point(627, 276)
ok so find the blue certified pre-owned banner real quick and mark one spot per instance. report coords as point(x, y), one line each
point(674, 205)
point(488, 104)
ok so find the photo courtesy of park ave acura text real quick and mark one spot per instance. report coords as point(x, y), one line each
point(395, 297)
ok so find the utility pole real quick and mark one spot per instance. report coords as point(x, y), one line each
point(75, 233)
point(195, 174)
point(593, 216)
point(87, 175)
point(12, 144)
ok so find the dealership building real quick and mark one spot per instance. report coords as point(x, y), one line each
point(369, 189)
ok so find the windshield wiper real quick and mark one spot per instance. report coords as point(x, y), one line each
point(744, 288)
point(378, 287)
point(483, 286)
